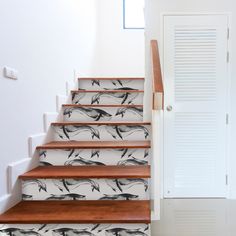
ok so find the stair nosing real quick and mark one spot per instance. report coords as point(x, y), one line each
point(102, 123)
point(104, 91)
point(59, 212)
point(85, 172)
point(95, 144)
point(100, 105)
point(111, 78)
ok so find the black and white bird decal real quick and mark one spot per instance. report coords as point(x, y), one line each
point(92, 113)
point(138, 111)
point(132, 161)
point(77, 97)
point(123, 131)
point(71, 196)
point(69, 131)
point(124, 184)
point(71, 184)
point(123, 196)
point(19, 232)
point(120, 98)
point(124, 232)
point(71, 232)
point(40, 184)
point(82, 161)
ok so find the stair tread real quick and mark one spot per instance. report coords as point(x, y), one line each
point(46, 212)
point(60, 172)
point(113, 78)
point(96, 105)
point(103, 123)
point(95, 144)
point(107, 91)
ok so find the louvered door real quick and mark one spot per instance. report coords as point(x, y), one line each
point(195, 74)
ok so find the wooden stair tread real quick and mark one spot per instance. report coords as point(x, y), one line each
point(97, 106)
point(106, 91)
point(113, 78)
point(95, 144)
point(102, 123)
point(46, 212)
point(80, 172)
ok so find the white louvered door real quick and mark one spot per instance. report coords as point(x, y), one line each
point(195, 79)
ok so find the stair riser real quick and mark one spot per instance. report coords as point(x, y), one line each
point(101, 132)
point(105, 98)
point(85, 189)
point(83, 114)
point(60, 157)
point(75, 229)
point(111, 84)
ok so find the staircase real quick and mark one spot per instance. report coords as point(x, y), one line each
point(93, 177)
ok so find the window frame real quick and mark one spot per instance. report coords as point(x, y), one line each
point(124, 20)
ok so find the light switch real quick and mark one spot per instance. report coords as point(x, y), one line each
point(10, 73)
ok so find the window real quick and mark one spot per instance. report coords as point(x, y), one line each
point(133, 14)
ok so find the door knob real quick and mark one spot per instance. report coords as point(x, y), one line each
point(169, 108)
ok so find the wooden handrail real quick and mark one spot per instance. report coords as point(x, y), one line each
point(158, 90)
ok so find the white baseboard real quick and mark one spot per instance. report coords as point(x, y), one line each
point(48, 118)
point(70, 86)
point(60, 99)
point(7, 201)
point(14, 187)
point(18, 168)
point(34, 141)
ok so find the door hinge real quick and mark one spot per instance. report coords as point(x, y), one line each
point(227, 119)
point(227, 57)
point(228, 34)
point(226, 179)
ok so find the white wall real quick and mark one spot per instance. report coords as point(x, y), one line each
point(153, 31)
point(121, 52)
point(45, 41)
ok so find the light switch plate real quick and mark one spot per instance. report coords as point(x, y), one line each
point(10, 73)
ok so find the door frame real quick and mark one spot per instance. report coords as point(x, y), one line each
point(228, 84)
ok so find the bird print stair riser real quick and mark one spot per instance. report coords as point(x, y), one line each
point(116, 156)
point(75, 230)
point(111, 98)
point(84, 114)
point(111, 84)
point(85, 189)
point(101, 132)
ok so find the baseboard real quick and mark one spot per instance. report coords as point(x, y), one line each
point(34, 141)
point(60, 99)
point(70, 86)
point(48, 118)
point(7, 202)
point(14, 187)
point(18, 168)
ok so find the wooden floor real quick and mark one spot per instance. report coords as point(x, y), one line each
point(95, 144)
point(46, 212)
point(58, 172)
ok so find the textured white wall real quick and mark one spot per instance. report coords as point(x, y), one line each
point(45, 41)
point(153, 12)
point(121, 52)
